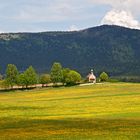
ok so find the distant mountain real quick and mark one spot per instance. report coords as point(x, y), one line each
point(113, 49)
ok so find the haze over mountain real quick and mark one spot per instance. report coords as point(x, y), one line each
point(107, 48)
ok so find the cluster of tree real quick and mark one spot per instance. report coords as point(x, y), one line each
point(26, 78)
point(58, 74)
point(61, 75)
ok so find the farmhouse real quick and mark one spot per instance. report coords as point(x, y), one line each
point(91, 77)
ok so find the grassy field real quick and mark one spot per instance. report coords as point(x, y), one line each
point(96, 112)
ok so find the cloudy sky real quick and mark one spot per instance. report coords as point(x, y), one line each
point(54, 15)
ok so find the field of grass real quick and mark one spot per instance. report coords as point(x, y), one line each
point(96, 112)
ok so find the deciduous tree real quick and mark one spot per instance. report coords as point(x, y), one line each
point(56, 73)
point(65, 73)
point(29, 77)
point(11, 74)
point(73, 78)
point(45, 79)
point(104, 77)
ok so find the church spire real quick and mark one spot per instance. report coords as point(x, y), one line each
point(91, 71)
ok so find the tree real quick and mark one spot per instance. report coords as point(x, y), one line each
point(45, 79)
point(104, 77)
point(21, 80)
point(65, 72)
point(56, 73)
point(73, 78)
point(29, 77)
point(11, 75)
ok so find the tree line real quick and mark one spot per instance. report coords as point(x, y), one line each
point(29, 77)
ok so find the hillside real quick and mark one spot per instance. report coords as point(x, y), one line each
point(105, 48)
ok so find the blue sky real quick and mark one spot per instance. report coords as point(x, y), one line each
point(59, 15)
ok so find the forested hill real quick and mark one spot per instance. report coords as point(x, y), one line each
point(113, 49)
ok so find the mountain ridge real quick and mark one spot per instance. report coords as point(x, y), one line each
point(109, 48)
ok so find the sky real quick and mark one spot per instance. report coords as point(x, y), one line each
point(66, 15)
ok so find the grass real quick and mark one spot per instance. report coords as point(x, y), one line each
point(97, 112)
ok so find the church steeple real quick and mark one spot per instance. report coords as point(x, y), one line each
point(91, 71)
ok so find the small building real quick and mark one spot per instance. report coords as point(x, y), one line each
point(91, 77)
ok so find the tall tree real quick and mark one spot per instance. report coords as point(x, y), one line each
point(29, 77)
point(11, 74)
point(56, 73)
point(21, 80)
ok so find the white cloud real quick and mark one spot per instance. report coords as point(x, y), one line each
point(121, 18)
point(123, 12)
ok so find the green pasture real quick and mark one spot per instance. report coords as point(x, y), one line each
point(95, 112)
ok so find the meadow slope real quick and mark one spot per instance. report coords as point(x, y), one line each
point(106, 111)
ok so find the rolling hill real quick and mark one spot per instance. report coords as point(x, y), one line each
point(107, 48)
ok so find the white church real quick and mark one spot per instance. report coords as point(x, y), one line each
point(91, 77)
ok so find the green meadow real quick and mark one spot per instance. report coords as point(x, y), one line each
point(95, 112)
